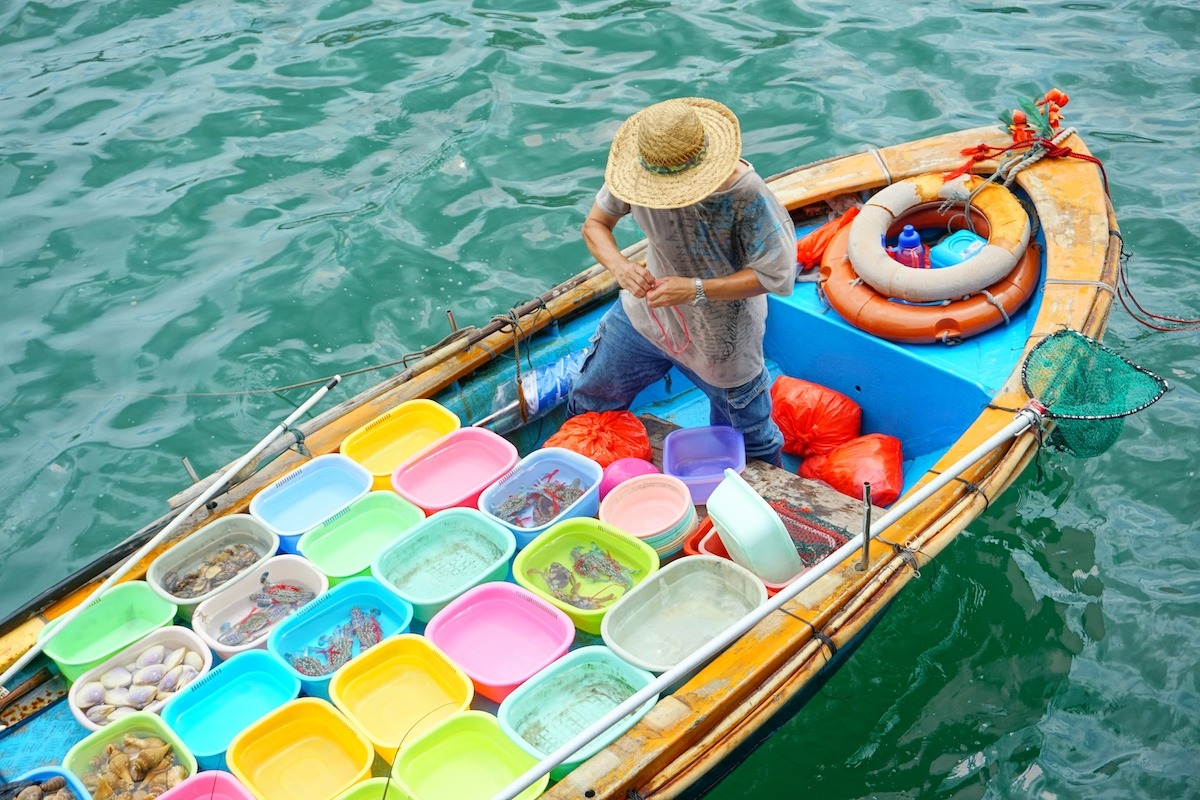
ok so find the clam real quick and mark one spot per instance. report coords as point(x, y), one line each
point(174, 658)
point(120, 711)
point(151, 674)
point(116, 677)
point(151, 655)
point(99, 714)
point(170, 681)
point(141, 695)
point(89, 694)
point(193, 660)
point(118, 696)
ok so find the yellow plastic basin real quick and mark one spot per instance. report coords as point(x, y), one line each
point(303, 749)
point(387, 441)
point(398, 689)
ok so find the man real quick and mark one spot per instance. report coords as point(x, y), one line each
point(718, 241)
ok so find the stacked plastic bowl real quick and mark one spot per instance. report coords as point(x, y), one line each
point(655, 508)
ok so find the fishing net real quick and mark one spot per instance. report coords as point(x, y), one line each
point(1087, 390)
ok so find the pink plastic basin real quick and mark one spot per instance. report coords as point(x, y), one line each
point(215, 785)
point(454, 470)
point(500, 634)
point(647, 505)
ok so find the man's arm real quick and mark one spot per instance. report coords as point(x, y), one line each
point(598, 236)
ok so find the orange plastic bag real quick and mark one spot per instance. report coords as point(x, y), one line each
point(874, 458)
point(811, 247)
point(813, 418)
point(604, 436)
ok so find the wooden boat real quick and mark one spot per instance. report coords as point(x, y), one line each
point(942, 402)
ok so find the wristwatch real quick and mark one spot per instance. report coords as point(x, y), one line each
point(701, 297)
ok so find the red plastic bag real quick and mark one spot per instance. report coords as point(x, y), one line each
point(874, 458)
point(811, 247)
point(604, 436)
point(813, 418)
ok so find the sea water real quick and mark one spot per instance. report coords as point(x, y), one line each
point(201, 203)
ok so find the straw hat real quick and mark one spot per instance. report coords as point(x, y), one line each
point(673, 153)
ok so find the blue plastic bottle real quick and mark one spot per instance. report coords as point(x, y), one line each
point(909, 250)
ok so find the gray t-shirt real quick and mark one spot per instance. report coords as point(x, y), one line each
point(744, 226)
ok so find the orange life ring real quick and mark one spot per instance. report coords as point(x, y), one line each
point(1009, 236)
point(865, 308)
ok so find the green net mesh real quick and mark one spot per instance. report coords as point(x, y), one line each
point(1087, 390)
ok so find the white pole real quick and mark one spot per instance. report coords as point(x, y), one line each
point(161, 535)
point(1026, 418)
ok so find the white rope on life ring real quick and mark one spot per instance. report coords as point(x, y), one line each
point(1008, 237)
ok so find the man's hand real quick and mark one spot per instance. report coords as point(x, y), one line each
point(633, 277)
point(671, 291)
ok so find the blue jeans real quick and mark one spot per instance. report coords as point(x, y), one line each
point(622, 363)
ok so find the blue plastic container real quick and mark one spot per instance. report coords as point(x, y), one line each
point(44, 774)
point(310, 628)
point(955, 249)
point(538, 479)
point(309, 495)
point(211, 711)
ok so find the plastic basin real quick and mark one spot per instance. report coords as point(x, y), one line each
point(345, 545)
point(700, 456)
point(233, 545)
point(454, 470)
point(170, 639)
point(646, 506)
point(465, 756)
point(679, 609)
point(584, 567)
point(398, 689)
point(214, 785)
point(622, 470)
point(121, 616)
point(438, 559)
point(561, 701)
point(337, 626)
point(374, 789)
point(393, 437)
point(221, 620)
point(547, 486)
point(811, 543)
point(752, 531)
point(500, 634)
point(309, 495)
point(303, 749)
point(141, 724)
point(212, 710)
point(43, 774)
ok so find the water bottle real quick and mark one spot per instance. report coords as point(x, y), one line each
point(909, 250)
point(545, 388)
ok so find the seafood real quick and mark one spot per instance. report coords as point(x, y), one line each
point(133, 767)
point(128, 687)
point(54, 788)
point(544, 500)
point(338, 648)
point(282, 593)
point(307, 664)
point(599, 565)
point(214, 569)
point(563, 585)
point(366, 629)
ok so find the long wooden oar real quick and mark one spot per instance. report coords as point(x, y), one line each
point(131, 562)
point(1027, 418)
